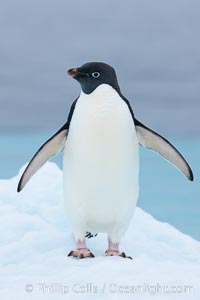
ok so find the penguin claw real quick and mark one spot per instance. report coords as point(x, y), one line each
point(70, 253)
point(129, 257)
point(123, 254)
point(81, 253)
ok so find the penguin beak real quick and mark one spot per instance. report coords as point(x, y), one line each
point(76, 71)
point(72, 72)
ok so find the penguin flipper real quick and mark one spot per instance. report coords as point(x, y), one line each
point(153, 141)
point(49, 149)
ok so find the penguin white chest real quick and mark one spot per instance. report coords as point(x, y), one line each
point(101, 162)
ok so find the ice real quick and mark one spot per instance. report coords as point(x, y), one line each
point(36, 237)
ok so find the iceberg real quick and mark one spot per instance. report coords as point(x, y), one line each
point(36, 237)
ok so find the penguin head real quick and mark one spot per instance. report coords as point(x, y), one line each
point(93, 74)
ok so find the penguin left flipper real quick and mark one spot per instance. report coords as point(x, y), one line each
point(153, 141)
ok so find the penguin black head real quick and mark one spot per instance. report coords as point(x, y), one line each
point(93, 74)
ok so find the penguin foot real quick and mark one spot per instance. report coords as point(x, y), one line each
point(81, 253)
point(110, 252)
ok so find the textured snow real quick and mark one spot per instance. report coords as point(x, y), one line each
point(35, 240)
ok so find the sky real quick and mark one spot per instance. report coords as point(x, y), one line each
point(153, 46)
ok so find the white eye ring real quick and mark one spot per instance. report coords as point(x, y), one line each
point(95, 74)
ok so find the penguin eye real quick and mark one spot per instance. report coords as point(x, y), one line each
point(95, 74)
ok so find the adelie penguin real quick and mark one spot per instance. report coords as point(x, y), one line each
point(101, 165)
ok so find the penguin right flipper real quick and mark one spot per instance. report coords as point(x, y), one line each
point(48, 150)
point(153, 141)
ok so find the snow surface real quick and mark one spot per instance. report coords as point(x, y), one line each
point(35, 240)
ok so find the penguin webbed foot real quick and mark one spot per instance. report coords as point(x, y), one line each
point(81, 253)
point(117, 253)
